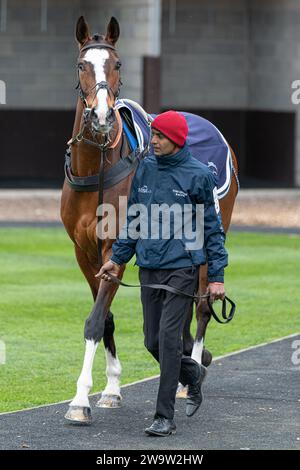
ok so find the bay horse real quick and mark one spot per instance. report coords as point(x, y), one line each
point(98, 123)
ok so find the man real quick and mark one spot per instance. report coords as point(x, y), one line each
point(171, 176)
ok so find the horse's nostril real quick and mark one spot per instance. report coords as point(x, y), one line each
point(110, 113)
point(93, 113)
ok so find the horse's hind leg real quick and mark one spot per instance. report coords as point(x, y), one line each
point(203, 316)
point(111, 396)
point(189, 342)
point(187, 347)
point(195, 348)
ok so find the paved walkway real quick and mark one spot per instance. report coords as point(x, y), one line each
point(252, 401)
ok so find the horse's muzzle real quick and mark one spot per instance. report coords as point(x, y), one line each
point(101, 128)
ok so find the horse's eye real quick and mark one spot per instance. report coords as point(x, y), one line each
point(80, 66)
point(118, 65)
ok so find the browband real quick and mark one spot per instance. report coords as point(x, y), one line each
point(101, 45)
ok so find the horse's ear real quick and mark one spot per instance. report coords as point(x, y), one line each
point(82, 31)
point(113, 31)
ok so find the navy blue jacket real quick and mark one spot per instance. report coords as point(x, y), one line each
point(174, 179)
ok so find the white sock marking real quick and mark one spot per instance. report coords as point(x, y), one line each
point(85, 381)
point(197, 351)
point(113, 372)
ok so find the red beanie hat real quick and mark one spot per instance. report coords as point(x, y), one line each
point(173, 125)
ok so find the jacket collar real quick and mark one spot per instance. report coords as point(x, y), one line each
point(172, 160)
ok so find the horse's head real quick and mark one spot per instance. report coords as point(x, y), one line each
point(98, 73)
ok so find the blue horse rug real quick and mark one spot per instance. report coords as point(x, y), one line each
point(205, 141)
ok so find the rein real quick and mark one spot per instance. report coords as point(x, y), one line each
point(79, 137)
point(103, 147)
point(196, 298)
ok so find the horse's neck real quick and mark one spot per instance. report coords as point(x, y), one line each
point(85, 157)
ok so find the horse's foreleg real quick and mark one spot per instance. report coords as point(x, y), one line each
point(111, 396)
point(79, 409)
point(195, 348)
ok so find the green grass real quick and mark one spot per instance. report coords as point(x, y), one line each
point(44, 301)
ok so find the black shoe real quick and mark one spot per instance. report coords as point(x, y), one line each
point(195, 396)
point(161, 427)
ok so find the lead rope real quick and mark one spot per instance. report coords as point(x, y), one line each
point(196, 298)
point(103, 149)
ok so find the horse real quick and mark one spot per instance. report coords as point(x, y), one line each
point(98, 126)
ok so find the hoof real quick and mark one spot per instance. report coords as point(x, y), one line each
point(109, 401)
point(181, 391)
point(206, 357)
point(79, 415)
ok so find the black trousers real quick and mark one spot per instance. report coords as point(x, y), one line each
point(164, 318)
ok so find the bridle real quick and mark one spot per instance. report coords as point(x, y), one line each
point(103, 146)
point(100, 85)
point(103, 85)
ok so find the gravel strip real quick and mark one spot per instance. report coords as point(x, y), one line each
point(264, 208)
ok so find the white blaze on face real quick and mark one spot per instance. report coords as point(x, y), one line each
point(98, 57)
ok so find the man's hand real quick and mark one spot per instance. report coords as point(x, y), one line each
point(109, 268)
point(216, 291)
